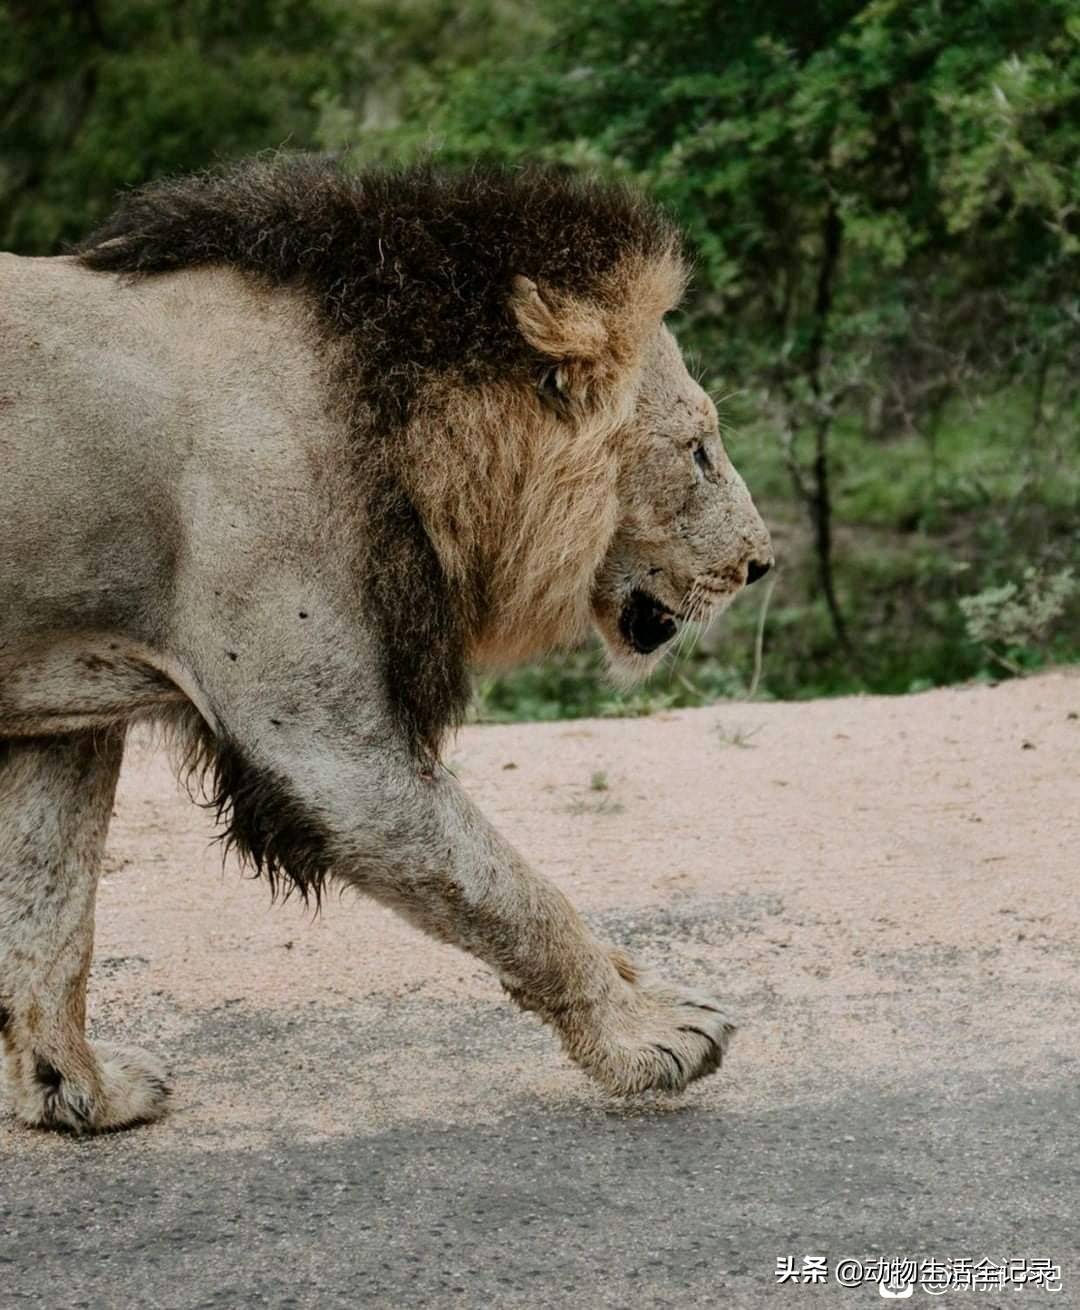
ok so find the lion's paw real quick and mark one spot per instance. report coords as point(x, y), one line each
point(129, 1087)
point(652, 1036)
point(136, 1087)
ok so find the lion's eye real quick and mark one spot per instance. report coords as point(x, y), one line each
point(552, 390)
point(701, 457)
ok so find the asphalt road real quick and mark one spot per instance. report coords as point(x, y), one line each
point(562, 1207)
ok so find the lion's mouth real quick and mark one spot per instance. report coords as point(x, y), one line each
point(645, 623)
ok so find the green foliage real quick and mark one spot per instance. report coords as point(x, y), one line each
point(1018, 615)
point(99, 96)
point(576, 685)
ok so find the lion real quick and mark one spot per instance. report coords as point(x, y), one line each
point(287, 451)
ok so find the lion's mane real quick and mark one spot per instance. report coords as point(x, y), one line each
point(440, 298)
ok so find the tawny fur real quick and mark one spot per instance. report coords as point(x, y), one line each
point(290, 451)
point(434, 336)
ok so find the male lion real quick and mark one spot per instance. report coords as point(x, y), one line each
point(284, 452)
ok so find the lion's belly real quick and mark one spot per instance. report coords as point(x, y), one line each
point(64, 683)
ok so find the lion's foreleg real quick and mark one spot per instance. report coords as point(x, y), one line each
point(320, 780)
point(56, 798)
point(462, 882)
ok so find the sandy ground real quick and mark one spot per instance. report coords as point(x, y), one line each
point(885, 892)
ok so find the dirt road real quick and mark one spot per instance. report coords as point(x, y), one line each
point(885, 891)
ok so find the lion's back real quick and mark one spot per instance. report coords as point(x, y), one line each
point(80, 499)
point(144, 421)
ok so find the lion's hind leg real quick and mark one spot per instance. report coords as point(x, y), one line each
point(56, 798)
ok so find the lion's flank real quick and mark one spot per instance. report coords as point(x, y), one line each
point(446, 297)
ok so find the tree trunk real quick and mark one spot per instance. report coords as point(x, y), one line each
point(820, 492)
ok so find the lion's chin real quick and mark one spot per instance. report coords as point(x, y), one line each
point(626, 670)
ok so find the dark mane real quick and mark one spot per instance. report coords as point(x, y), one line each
point(409, 273)
point(415, 262)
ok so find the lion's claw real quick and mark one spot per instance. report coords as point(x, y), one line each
point(644, 1039)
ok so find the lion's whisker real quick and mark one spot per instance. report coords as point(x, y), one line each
point(687, 608)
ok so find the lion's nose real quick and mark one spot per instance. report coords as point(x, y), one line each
point(756, 570)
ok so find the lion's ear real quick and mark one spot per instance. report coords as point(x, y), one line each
point(557, 325)
point(608, 331)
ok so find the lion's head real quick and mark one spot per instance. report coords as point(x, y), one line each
point(687, 537)
point(527, 451)
point(606, 495)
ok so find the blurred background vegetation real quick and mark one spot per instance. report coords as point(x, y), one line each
point(883, 202)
